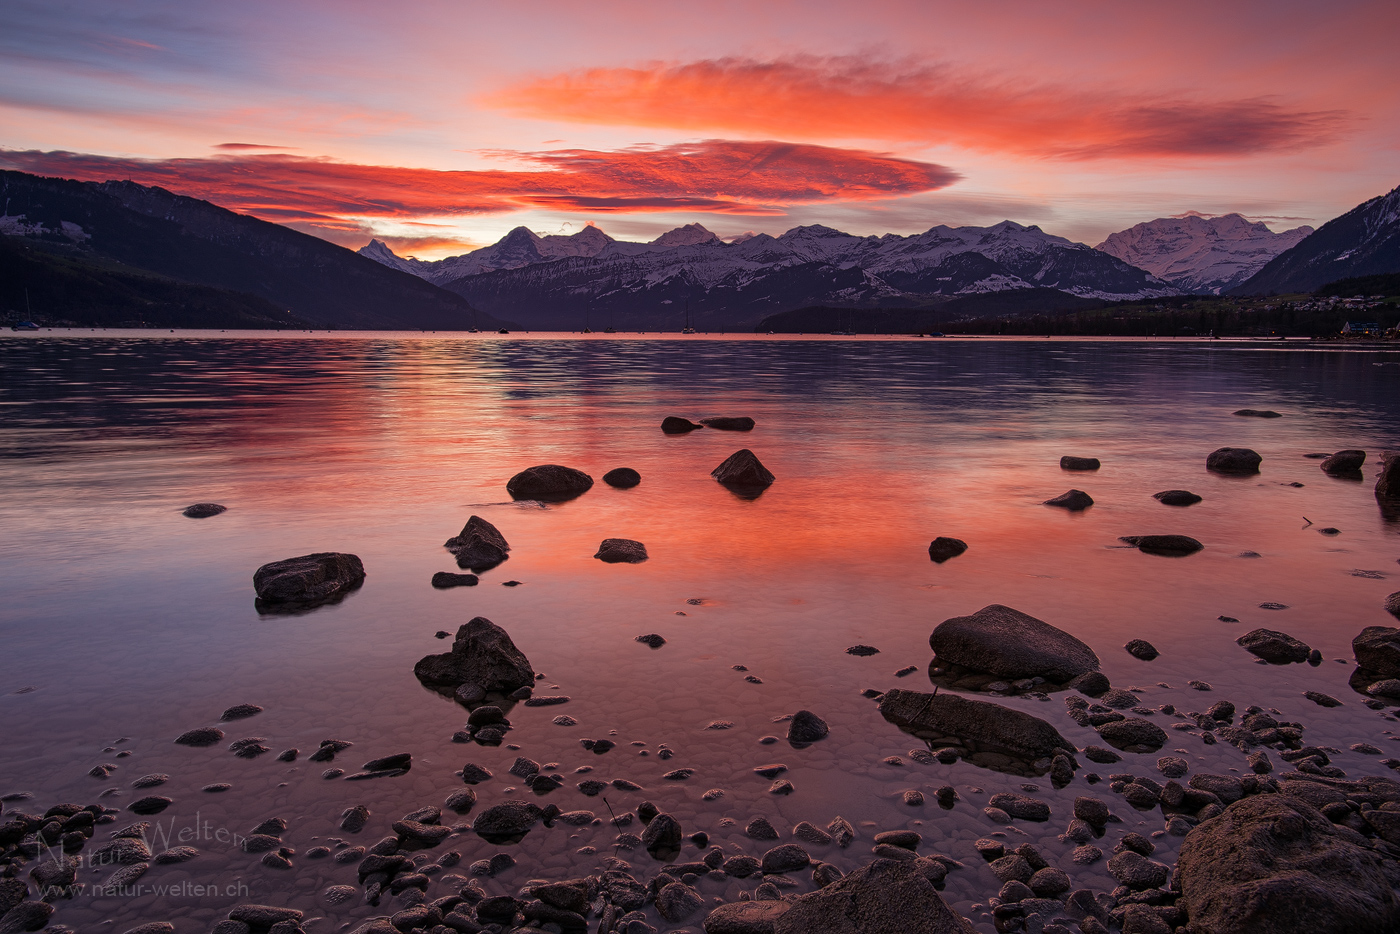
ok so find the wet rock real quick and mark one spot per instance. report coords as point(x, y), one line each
point(547, 700)
point(1388, 483)
point(200, 736)
point(1069, 462)
point(151, 804)
point(1173, 766)
point(806, 727)
point(1133, 734)
point(621, 551)
point(1049, 882)
point(1021, 807)
point(1176, 498)
point(1276, 648)
point(482, 654)
point(1073, 500)
point(841, 832)
point(663, 833)
point(913, 798)
point(422, 833)
point(862, 650)
point(788, 857)
point(263, 916)
point(729, 423)
point(808, 833)
point(750, 917)
point(741, 867)
point(1377, 648)
point(479, 546)
point(1171, 546)
point(1136, 871)
point(675, 425)
point(443, 580)
point(1141, 648)
point(505, 821)
point(743, 470)
point(473, 774)
point(1274, 863)
point(1002, 641)
point(652, 639)
point(760, 829)
point(1011, 868)
point(26, 916)
point(308, 579)
point(979, 722)
point(1090, 684)
point(884, 896)
point(624, 478)
point(354, 819)
point(1344, 464)
point(942, 548)
point(1257, 413)
point(240, 712)
point(549, 482)
point(678, 901)
point(1233, 460)
point(204, 510)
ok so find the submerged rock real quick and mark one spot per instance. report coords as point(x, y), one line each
point(1069, 462)
point(621, 551)
point(1258, 413)
point(988, 727)
point(729, 423)
point(883, 897)
point(743, 470)
point(549, 482)
point(1005, 642)
point(1073, 500)
point(1233, 460)
point(308, 579)
point(1176, 498)
point(1276, 648)
point(1274, 863)
point(624, 478)
point(480, 545)
point(1171, 546)
point(203, 510)
point(675, 425)
point(942, 548)
point(483, 655)
point(1343, 463)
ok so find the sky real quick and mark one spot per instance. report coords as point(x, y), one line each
point(438, 126)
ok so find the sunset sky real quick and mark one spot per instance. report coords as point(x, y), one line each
point(438, 126)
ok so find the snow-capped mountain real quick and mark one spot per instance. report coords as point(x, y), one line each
point(1201, 254)
point(650, 285)
point(1365, 241)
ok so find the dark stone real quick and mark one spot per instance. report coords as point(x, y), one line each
point(308, 579)
point(204, 510)
point(549, 482)
point(978, 722)
point(1090, 684)
point(1136, 871)
point(263, 916)
point(399, 760)
point(1021, 807)
point(509, 820)
point(678, 901)
point(729, 423)
point(151, 804)
point(663, 833)
point(621, 551)
point(1073, 500)
point(942, 548)
point(482, 654)
point(743, 470)
point(787, 857)
point(1233, 460)
point(1388, 483)
point(652, 639)
point(887, 896)
point(862, 650)
point(1069, 462)
point(442, 580)
point(1275, 863)
point(480, 545)
point(1392, 604)
point(241, 712)
point(200, 736)
point(1171, 546)
point(675, 425)
point(1141, 648)
point(26, 916)
point(354, 819)
point(1276, 648)
point(1001, 641)
point(1344, 462)
point(1377, 648)
point(750, 917)
point(1258, 413)
point(806, 727)
point(1133, 734)
point(624, 478)
point(1176, 498)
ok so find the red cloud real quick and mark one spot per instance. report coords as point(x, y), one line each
point(853, 98)
point(719, 176)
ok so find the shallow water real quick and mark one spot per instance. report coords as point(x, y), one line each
point(133, 623)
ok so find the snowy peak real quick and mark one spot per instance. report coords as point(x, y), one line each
point(689, 235)
point(1200, 253)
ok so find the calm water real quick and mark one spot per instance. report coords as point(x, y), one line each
point(133, 624)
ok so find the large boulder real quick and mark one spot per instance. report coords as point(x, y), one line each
point(1233, 460)
point(1274, 863)
point(549, 482)
point(308, 579)
point(1276, 648)
point(1388, 483)
point(480, 545)
point(888, 896)
point(1344, 464)
point(979, 725)
point(743, 470)
point(1006, 642)
point(483, 655)
point(1377, 648)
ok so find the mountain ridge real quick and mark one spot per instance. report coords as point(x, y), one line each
point(1201, 254)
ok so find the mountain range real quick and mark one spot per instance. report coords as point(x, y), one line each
point(688, 275)
point(1200, 254)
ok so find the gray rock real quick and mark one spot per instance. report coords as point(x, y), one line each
point(1233, 460)
point(979, 722)
point(204, 510)
point(1073, 500)
point(1170, 546)
point(743, 470)
point(624, 478)
point(1142, 649)
point(480, 545)
point(729, 423)
point(1002, 641)
point(885, 897)
point(1176, 498)
point(806, 727)
point(1344, 462)
point(1069, 462)
point(1274, 863)
point(549, 482)
point(750, 917)
point(482, 654)
point(621, 551)
point(1133, 734)
point(942, 548)
point(308, 579)
point(1277, 648)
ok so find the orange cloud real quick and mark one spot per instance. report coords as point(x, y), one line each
point(721, 176)
point(856, 98)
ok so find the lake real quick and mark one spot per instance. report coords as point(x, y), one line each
point(126, 624)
